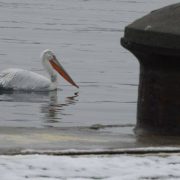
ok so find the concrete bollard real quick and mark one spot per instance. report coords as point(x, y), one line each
point(155, 41)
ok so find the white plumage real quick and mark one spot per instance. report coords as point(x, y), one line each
point(20, 79)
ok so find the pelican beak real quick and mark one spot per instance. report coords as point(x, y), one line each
point(58, 67)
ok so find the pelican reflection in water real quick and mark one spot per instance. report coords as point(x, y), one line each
point(52, 108)
point(55, 110)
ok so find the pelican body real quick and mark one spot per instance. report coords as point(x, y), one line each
point(20, 79)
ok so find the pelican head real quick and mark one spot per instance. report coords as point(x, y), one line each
point(53, 66)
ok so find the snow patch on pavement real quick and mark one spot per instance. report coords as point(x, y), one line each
point(116, 167)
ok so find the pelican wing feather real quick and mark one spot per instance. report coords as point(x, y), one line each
point(20, 79)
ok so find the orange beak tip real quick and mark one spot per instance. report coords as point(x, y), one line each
point(63, 73)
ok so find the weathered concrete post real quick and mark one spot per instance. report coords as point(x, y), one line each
point(155, 41)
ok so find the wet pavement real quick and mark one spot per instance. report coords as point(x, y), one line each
point(86, 140)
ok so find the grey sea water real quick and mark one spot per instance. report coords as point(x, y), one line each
point(85, 35)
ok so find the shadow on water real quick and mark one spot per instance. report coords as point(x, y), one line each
point(157, 140)
point(23, 96)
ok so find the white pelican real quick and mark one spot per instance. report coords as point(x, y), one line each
point(20, 79)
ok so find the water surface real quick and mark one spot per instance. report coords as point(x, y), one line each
point(85, 35)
